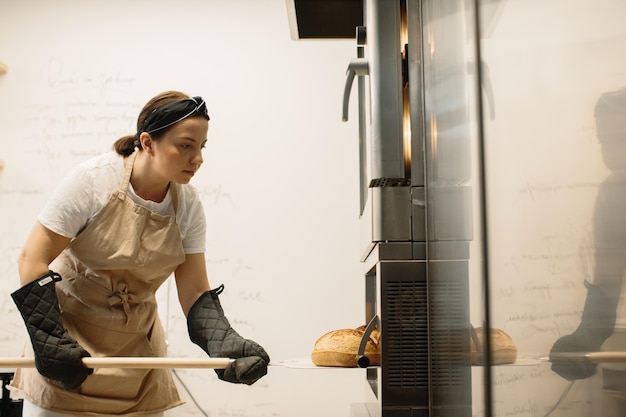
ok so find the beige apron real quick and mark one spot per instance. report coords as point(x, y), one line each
point(111, 272)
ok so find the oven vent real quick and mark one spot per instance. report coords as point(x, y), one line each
point(449, 331)
point(406, 322)
point(390, 182)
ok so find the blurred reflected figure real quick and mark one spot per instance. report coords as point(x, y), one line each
point(603, 322)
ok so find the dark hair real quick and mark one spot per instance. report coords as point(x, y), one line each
point(611, 102)
point(126, 144)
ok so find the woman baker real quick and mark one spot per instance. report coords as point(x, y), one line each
point(114, 230)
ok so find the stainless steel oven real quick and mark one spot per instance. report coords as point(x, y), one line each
point(411, 79)
point(416, 206)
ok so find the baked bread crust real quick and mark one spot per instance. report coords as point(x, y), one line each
point(503, 350)
point(339, 348)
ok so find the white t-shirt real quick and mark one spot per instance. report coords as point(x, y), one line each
point(87, 189)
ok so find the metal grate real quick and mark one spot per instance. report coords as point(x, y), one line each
point(405, 324)
point(406, 327)
point(390, 182)
point(449, 332)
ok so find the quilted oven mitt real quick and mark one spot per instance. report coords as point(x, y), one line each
point(57, 354)
point(596, 325)
point(209, 329)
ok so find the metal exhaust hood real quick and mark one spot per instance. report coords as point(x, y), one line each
point(324, 19)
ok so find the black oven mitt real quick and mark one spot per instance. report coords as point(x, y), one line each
point(209, 329)
point(598, 320)
point(57, 354)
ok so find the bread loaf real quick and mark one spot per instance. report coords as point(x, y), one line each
point(375, 334)
point(503, 350)
point(339, 348)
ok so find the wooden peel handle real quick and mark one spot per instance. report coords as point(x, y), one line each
point(596, 357)
point(607, 357)
point(129, 362)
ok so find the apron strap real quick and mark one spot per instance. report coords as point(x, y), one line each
point(128, 169)
point(174, 191)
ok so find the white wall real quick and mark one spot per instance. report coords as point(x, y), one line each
point(279, 183)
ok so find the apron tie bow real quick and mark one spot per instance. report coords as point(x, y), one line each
point(124, 298)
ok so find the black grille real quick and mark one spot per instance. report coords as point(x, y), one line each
point(406, 334)
point(414, 312)
point(390, 182)
point(449, 332)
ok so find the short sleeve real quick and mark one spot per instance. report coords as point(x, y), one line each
point(192, 221)
point(82, 194)
point(195, 237)
point(71, 205)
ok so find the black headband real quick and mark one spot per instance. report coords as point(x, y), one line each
point(174, 112)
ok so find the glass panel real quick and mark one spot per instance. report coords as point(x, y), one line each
point(555, 143)
point(452, 187)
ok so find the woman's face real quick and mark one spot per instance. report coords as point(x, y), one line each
point(178, 154)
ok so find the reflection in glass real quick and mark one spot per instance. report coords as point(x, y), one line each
point(600, 319)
